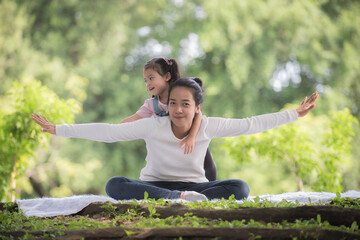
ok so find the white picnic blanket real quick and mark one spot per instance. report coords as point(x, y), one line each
point(49, 207)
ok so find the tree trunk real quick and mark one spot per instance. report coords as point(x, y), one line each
point(300, 183)
point(298, 179)
point(38, 187)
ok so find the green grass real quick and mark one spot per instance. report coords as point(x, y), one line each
point(17, 221)
point(231, 203)
point(14, 220)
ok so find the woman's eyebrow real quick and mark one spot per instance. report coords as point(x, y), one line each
point(183, 100)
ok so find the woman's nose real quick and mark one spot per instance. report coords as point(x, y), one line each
point(178, 109)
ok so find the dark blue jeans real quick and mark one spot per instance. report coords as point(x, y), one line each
point(122, 188)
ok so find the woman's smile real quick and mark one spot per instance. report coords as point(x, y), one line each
point(179, 119)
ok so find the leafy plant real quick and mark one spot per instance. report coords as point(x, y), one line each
point(297, 146)
point(345, 202)
point(15, 221)
point(110, 210)
point(19, 134)
point(247, 62)
point(129, 233)
point(133, 218)
point(152, 211)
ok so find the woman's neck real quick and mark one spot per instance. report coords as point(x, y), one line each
point(180, 132)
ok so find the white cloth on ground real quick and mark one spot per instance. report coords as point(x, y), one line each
point(49, 207)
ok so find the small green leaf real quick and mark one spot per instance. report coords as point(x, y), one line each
point(338, 195)
point(318, 218)
point(129, 233)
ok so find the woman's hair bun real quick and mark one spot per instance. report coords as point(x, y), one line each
point(198, 81)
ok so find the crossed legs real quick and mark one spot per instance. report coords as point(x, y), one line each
point(122, 188)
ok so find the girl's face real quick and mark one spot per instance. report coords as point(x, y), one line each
point(156, 84)
point(182, 110)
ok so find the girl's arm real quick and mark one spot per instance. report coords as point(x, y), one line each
point(189, 141)
point(144, 111)
point(131, 118)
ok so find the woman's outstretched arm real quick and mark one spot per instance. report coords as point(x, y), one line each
point(99, 131)
point(220, 127)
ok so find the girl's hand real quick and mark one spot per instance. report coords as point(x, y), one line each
point(307, 105)
point(44, 123)
point(188, 144)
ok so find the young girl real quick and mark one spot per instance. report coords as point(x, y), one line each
point(169, 173)
point(159, 74)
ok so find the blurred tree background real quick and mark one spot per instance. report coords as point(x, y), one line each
point(253, 56)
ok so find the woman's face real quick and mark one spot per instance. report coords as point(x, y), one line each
point(182, 108)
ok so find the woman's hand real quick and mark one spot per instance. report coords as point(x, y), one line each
point(44, 123)
point(307, 105)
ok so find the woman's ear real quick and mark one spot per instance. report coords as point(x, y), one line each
point(197, 109)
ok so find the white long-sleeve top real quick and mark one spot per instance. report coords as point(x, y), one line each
point(165, 161)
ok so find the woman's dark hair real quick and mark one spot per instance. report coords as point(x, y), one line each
point(194, 84)
point(163, 65)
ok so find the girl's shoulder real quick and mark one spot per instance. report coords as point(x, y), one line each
point(147, 109)
point(148, 102)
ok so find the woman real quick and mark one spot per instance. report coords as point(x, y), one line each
point(168, 172)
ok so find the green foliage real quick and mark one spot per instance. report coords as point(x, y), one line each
point(129, 233)
point(338, 149)
point(188, 220)
point(319, 164)
point(345, 202)
point(152, 211)
point(232, 203)
point(20, 135)
point(14, 221)
point(146, 195)
point(131, 218)
point(110, 210)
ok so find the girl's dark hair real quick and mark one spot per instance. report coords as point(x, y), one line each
point(194, 84)
point(162, 66)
